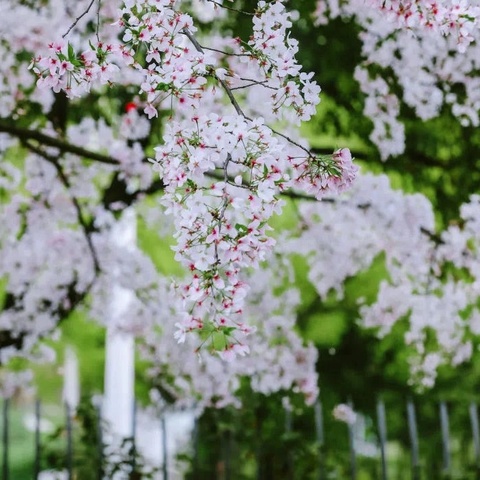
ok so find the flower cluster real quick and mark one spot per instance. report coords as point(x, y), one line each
point(274, 51)
point(221, 167)
point(223, 172)
point(429, 286)
point(278, 358)
point(174, 68)
point(323, 175)
point(222, 225)
point(64, 70)
point(344, 413)
point(428, 49)
point(457, 18)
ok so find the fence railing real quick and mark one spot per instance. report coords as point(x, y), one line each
point(382, 440)
point(120, 455)
point(352, 443)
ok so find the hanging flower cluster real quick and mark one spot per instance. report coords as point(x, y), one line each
point(222, 225)
point(222, 172)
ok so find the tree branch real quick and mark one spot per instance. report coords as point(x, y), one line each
point(221, 5)
point(226, 53)
point(16, 340)
point(111, 196)
point(25, 134)
point(66, 182)
point(234, 102)
point(434, 237)
point(72, 26)
point(223, 83)
point(117, 191)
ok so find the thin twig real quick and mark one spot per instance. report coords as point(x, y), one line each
point(224, 205)
point(434, 237)
point(253, 84)
point(98, 20)
point(72, 26)
point(229, 93)
point(293, 142)
point(263, 83)
point(231, 54)
point(221, 5)
point(241, 87)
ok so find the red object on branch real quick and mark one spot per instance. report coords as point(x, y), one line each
point(130, 106)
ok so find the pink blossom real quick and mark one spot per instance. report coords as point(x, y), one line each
point(344, 413)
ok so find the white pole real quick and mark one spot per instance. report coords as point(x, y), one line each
point(71, 382)
point(119, 355)
point(119, 382)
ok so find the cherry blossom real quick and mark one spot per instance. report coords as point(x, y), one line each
point(426, 48)
point(136, 104)
point(221, 166)
point(402, 228)
point(344, 413)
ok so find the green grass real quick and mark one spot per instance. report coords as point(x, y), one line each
point(21, 446)
point(22, 441)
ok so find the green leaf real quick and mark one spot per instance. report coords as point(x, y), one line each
point(219, 341)
point(71, 53)
point(241, 229)
point(163, 87)
point(227, 330)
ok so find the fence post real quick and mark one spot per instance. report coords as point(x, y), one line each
point(99, 442)
point(196, 441)
point(476, 435)
point(320, 436)
point(382, 433)
point(133, 460)
point(445, 437)
point(36, 466)
point(351, 441)
point(68, 418)
point(288, 431)
point(6, 408)
point(413, 433)
point(227, 454)
point(163, 427)
point(258, 446)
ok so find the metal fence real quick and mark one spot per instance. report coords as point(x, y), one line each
point(379, 419)
point(70, 445)
point(414, 440)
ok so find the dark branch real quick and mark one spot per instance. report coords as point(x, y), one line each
point(63, 309)
point(117, 191)
point(72, 26)
point(221, 5)
point(230, 54)
point(229, 93)
point(25, 134)
point(66, 182)
point(434, 237)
